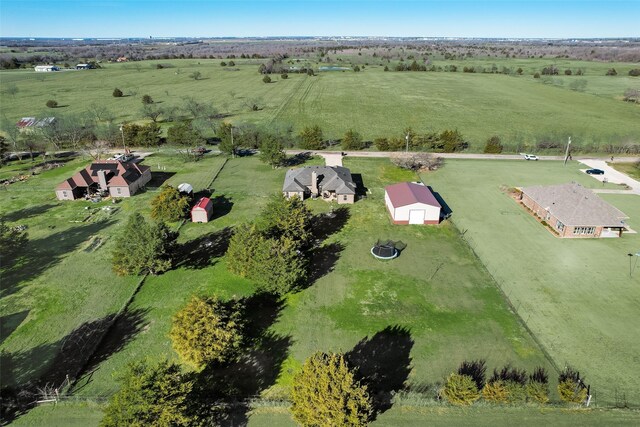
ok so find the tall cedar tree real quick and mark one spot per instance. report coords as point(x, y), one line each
point(352, 141)
point(143, 247)
point(170, 205)
point(141, 135)
point(325, 393)
point(311, 138)
point(206, 330)
point(184, 134)
point(150, 395)
point(493, 145)
point(287, 217)
point(272, 151)
point(228, 141)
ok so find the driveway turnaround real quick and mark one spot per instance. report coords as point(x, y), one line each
point(612, 175)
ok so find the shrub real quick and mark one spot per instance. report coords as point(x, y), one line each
point(509, 373)
point(568, 72)
point(382, 144)
point(460, 390)
point(284, 76)
point(537, 392)
point(356, 68)
point(493, 145)
point(52, 104)
point(612, 72)
point(266, 79)
point(232, 64)
point(223, 64)
point(169, 205)
point(516, 392)
point(146, 99)
point(206, 331)
point(325, 393)
point(536, 75)
point(476, 369)
point(635, 72)
point(571, 387)
point(117, 93)
point(352, 141)
point(495, 392)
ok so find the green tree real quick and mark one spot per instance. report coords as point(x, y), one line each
point(287, 217)
point(141, 135)
point(352, 141)
point(169, 205)
point(52, 103)
point(146, 99)
point(228, 143)
point(272, 151)
point(196, 75)
point(206, 331)
point(4, 149)
point(493, 145)
point(243, 245)
point(184, 134)
point(284, 76)
point(150, 395)
point(266, 79)
point(311, 138)
point(325, 393)
point(12, 240)
point(152, 112)
point(452, 141)
point(460, 390)
point(382, 144)
point(143, 247)
point(117, 93)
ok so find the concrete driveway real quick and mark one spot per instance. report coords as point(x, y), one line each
point(332, 159)
point(612, 175)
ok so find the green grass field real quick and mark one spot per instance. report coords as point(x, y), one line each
point(521, 110)
point(575, 295)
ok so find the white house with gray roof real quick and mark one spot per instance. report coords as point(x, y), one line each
point(328, 182)
point(574, 211)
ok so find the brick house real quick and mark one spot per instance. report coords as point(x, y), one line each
point(331, 183)
point(573, 211)
point(118, 178)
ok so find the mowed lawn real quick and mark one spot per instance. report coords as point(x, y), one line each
point(59, 298)
point(519, 109)
point(575, 295)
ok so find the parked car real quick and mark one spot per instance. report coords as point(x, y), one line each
point(530, 157)
point(595, 171)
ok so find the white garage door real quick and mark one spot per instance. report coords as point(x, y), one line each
point(416, 216)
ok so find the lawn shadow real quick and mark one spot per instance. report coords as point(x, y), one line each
point(222, 205)
point(298, 159)
point(256, 368)
point(158, 178)
point(446, 211)
point(203, 251)
point(42, 254)
point(322, 260)
point(10, 322)
point(27, 212)
point(325, 224)
point(50, 366)
point(383, 363)
point(361, 190)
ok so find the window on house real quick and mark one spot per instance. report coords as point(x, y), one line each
point(344, 197)
point(119, 190)
point(559, 226)
point(64, 193)
point(584, 230)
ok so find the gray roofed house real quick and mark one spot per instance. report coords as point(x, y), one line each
point(329, 182)
point(574, 211)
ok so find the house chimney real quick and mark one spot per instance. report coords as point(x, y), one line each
point(314, 183)
point(102, 179)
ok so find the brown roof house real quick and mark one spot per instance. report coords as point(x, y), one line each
point(119, 179)
point(412, 203)
point(329, 182)
point(574, 211)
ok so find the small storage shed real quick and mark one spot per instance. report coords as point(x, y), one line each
point(185, 188)
point(412, 203)
point(202, 211)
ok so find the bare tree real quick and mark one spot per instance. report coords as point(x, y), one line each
point(96, 149)
point(101, 113)
point(417, 161)
point(151, 111)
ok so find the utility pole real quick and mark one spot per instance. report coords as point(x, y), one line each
point(566, 155)
point(122, 132)
point(406, 138)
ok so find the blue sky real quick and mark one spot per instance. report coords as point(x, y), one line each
point(197, 18)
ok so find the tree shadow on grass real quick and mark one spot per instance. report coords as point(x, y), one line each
point(326, 224)
point(10, 322)
point(42, 254)
point(256, 368)
point(298, 159)
point(157, 179)
point(383, 363)
point(322, 260)
point(203, 251)
point(27, 212)
point(222, 205)
point(25, 374)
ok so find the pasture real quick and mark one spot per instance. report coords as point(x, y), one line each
point(576, 296)
point(520, 109)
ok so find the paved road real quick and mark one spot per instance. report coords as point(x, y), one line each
point(612, 175)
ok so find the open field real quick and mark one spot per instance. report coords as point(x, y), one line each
point(628, 168)
point(59, 298)
point(520, 109)
point(576, 296)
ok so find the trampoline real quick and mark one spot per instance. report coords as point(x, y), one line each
point(387, 249)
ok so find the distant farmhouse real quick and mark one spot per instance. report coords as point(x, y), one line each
point(574, 211)
point(84, 66)
point(30, 123)
point(412, 203)
point(329, 182)
point(46, 68)
point(118, 178)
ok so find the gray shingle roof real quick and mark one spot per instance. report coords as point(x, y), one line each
point(330, 178)
point(575, 205)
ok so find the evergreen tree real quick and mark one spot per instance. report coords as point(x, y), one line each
point(150, 395)
point(184, 134)
point(352, 141)
point(169, 205)
point(493, 145)
point(311, 138)
point(325, 393)
point(228, 144)
point(287, 218)
point(272, 151)
point(206, 331)
point(143, 248)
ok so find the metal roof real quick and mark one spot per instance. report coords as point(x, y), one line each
point(408, 193)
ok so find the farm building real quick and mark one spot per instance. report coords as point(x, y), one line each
point(202, 211)
point(119, 179)
point(412, 203)
point(574, 211)
point(27, 123)
point(83, 67)
point(329, 182)
point(46, 68)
